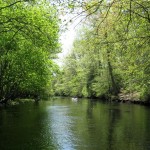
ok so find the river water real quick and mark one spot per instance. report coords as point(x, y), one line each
point(61, 124)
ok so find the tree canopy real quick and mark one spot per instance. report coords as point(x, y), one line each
point(110, 56)
point(111, 52)
point(28, 43)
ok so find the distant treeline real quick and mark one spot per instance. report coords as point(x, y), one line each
point(111, 53)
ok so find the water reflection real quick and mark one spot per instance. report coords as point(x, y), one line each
point(23, 128)
point(64, 125)
point(114, 115)
point(61, 127)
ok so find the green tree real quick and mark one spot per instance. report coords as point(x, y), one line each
point(114, 49)
point(28, 44)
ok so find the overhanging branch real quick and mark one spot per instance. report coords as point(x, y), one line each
point(10, 5)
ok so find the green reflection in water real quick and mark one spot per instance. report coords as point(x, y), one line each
point(84, 125)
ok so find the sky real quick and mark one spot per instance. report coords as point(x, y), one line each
point(67, 38)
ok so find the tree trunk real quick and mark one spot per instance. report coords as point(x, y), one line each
point(113, 89)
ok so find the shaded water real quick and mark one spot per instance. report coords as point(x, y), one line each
point(84, 125)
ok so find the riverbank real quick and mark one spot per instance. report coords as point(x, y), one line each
point(140, 102)
point(133, 98)
point(16, 102)
point(128, 98)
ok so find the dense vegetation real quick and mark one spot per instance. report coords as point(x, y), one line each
point(111, 54)
point(28, 43)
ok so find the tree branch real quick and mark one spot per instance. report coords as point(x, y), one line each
point(10, 5)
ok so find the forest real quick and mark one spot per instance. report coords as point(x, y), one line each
point(110, 57)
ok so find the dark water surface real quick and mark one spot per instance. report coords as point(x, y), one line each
point(65, 125)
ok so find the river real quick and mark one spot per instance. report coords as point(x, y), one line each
point(61, 124)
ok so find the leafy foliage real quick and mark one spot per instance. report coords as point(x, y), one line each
point(28, 43)
point(111, 52)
